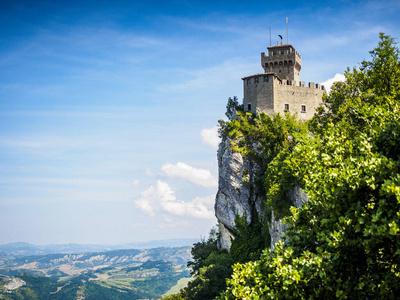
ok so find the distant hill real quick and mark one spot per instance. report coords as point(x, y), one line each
point(163, 243)
point(26, 249)
point(115, 258)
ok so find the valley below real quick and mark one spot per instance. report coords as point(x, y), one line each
point(112, 274)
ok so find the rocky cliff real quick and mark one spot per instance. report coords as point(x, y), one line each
point(233, 196)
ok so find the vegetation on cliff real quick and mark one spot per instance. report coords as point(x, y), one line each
point(266, 143)
point(345, 242)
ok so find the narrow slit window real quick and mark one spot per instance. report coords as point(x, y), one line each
point(249, 107)
point(303, 109)
point(286, 106)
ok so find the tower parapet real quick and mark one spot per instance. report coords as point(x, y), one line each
point(283, 60)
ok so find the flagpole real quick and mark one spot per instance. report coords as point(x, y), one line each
point(287, 31)
point(270, 37)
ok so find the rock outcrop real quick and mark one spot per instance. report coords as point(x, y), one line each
point(277, 227)
point(233, 196)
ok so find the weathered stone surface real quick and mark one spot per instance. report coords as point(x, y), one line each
point(225, 240)
point(278, 228)
point(233, 196)
point(297, 195)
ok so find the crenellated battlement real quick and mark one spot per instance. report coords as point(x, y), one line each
point(282, 50)
point(283, 60)
point(311, 85)
point(262, 78)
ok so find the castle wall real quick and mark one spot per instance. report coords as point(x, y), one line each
point(259, 93)
point(269, 94)
point(297, 96)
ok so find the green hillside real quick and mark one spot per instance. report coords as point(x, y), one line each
point(116, 274)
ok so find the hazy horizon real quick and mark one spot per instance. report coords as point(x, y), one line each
point(109, 110)
point(105, 244)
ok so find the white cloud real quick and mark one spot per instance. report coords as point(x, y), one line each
point(197, 208)
point(197, 176)
point(135, 182)
point(328, 83)
point(210, 137)
point(153, 196)
point(162, 198)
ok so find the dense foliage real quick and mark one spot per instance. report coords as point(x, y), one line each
point(266, 143)
point(345, 242)
point(232, 107)
point(250, 239)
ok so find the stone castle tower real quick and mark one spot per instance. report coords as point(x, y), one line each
point(279, 89)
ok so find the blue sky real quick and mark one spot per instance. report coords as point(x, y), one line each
point(108, 109)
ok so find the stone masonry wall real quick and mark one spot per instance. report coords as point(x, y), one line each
point(296, 96)
point(259, 93)
point(269, 94)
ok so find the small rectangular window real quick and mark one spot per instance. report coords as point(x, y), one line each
point(265, 78)
point(249, 107)
point(248, 81)
point(255, 79)
point(287, 106)
point(303, 108)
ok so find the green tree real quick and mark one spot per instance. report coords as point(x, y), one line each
point(232, 107)
point(211, 278)
point(368, 87)
point(249, 239)
point(201, 250)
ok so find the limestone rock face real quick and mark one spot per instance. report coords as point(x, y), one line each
point(277, 227)
point(233, 196)
point(225, 240)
